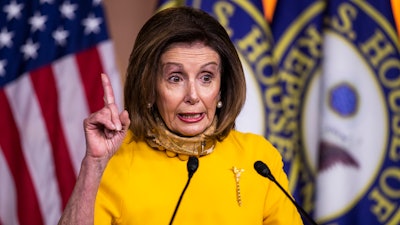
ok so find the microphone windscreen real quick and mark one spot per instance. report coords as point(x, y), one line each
point(262, 169)
point(192, 165)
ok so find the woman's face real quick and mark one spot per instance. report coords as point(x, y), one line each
point(189, 87)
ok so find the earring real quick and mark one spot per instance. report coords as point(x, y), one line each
point(219, 104)
point(149, 105)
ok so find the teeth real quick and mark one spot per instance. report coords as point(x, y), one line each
point(190, 116)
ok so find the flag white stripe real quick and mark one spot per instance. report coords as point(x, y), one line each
point(107, 57)
point(36, 146)
point(8, 196)
point(73, 107)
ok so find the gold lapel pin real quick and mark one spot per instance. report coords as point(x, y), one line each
point(238, 172)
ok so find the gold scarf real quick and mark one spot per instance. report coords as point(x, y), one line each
point(174, 145)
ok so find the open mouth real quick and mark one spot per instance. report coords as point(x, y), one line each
point(191, 117)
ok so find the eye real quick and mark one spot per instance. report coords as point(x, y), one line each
point(206, 78)
point(174, 78)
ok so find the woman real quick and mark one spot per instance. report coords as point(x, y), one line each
point(184, 89)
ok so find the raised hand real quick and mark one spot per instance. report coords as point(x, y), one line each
point(104, 132)
point(106, 128)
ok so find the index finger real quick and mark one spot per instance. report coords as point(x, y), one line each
point(108, 91)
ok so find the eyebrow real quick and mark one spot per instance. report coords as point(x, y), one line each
point(181, 66)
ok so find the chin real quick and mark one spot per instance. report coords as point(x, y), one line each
point(190, 133)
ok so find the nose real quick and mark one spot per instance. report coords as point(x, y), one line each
point(191, 94)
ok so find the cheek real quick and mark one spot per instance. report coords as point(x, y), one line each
point(215, 95)
point(167, 104)
point(212, 100)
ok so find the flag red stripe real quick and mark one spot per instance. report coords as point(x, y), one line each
point(90, 68)
point(45, 88)
point(10, 141)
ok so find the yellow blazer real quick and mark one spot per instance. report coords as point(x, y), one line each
point(141, 186)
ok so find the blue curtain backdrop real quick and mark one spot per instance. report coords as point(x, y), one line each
point(326, 77)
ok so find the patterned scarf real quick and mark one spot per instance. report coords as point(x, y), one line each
point(174, 145)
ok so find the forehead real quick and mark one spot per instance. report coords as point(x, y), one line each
point(185, 44)
point(189, 48)
point(189, 56)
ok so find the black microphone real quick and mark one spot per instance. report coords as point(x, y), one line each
point(264, 171)
point(192, 165)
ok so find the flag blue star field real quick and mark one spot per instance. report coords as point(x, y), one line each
point(51, 56)
point(339, 67)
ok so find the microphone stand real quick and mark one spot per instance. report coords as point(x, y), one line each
point(192, 165)
point(302, 211)
point(264, 171)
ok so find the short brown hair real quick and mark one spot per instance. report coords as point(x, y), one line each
point(180, 25)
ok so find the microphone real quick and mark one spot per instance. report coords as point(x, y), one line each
point(264, 171)
point(192, 165)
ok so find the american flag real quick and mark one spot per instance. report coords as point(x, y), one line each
point(51, 56)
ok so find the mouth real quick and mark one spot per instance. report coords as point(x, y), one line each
point(191, 117)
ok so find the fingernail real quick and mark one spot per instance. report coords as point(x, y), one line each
point(119, 127)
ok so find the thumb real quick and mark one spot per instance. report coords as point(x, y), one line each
point(125, 121)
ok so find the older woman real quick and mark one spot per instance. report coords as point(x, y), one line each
point(184, 89)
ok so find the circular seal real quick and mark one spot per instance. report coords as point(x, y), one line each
point(349, 115)
point(348, 148)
